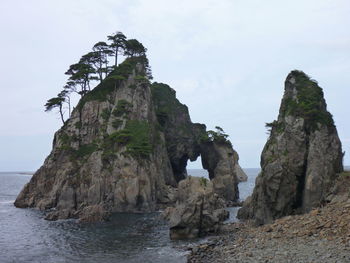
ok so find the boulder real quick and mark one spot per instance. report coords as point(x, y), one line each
point(198, 211)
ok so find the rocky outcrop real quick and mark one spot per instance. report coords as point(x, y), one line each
point(339, 192)
point(181, 135)
point(301, 157)
point(109, 156)
point(124, 149)
point(241, 175)
point(221, 161)
point(198, 210)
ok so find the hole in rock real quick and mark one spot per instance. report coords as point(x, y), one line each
point(195, 169)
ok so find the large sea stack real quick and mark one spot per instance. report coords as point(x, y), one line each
point(301, 158)
point(124, 149)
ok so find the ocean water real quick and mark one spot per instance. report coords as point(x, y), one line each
point(26, 237)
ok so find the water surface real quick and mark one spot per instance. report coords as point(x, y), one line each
point(26, 237)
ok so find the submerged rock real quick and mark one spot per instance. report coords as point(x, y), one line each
point(198, 210)
point(301, 157)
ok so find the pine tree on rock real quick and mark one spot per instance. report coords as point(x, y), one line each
point(118, 44)
point(104, 51)
point(80, 74)
point(134, 48)
point(56, 102)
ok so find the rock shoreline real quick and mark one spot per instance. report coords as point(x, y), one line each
point(322, 235)
point(307, 238)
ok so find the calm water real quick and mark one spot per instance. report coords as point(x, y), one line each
point(26, 237)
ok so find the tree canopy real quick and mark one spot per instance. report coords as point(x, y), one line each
point(216, 136)
point(118, 42)
point(55, 102)
point(96, 66)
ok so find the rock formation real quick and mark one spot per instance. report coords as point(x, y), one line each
point(124, 149)
point(301, 157)
point(109, 156)
point(198, 210)
point(221, 161)
point(181, 135)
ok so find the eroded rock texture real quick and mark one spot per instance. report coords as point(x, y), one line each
point(301, 157)
point(198, 210)
point(124, 149)
point(108, 157)
point(221, 161)
point(181, 135)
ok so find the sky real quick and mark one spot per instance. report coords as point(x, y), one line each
point(227, 61)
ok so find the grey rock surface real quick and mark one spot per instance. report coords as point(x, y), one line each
point(124, 148)
point(221, 161)
point(198, 210)
point(97, 164)
point(182, 137)
point(301, 157)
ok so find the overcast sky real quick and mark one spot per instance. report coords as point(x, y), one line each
point(226, 59)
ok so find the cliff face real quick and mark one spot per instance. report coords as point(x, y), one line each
point(124, 149)
point(301, 157)
point(181, 135)
point(109, 156)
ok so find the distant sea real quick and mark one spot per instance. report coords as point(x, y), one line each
point(26, 237)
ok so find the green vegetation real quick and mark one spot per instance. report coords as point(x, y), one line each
point(100, 93)
point(141, 79)
point(56, 102)
point(78, 125)
point(95, 66)
point(118, 44)
point(109, 84)
point(117, 124)
point(276, 126)
point(123, 107)
point(309, 103)
point(65, 139)
point(271, 158)
point(84, 150)
point(218, 136)
point(345, 173)
point(203, 181)
point(136, 136)
point(105, 114)
point(166, 103)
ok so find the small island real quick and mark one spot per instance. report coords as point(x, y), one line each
point(300, 207)
point(125, 146)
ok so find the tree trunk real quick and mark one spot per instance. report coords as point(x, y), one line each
point(116, 57)
point(69, 109)
point(61, 113)
point(106, 70)
point(100, 68)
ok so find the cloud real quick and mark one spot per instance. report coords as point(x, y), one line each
point(226, 59)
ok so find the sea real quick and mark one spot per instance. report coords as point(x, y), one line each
point(26, 237)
